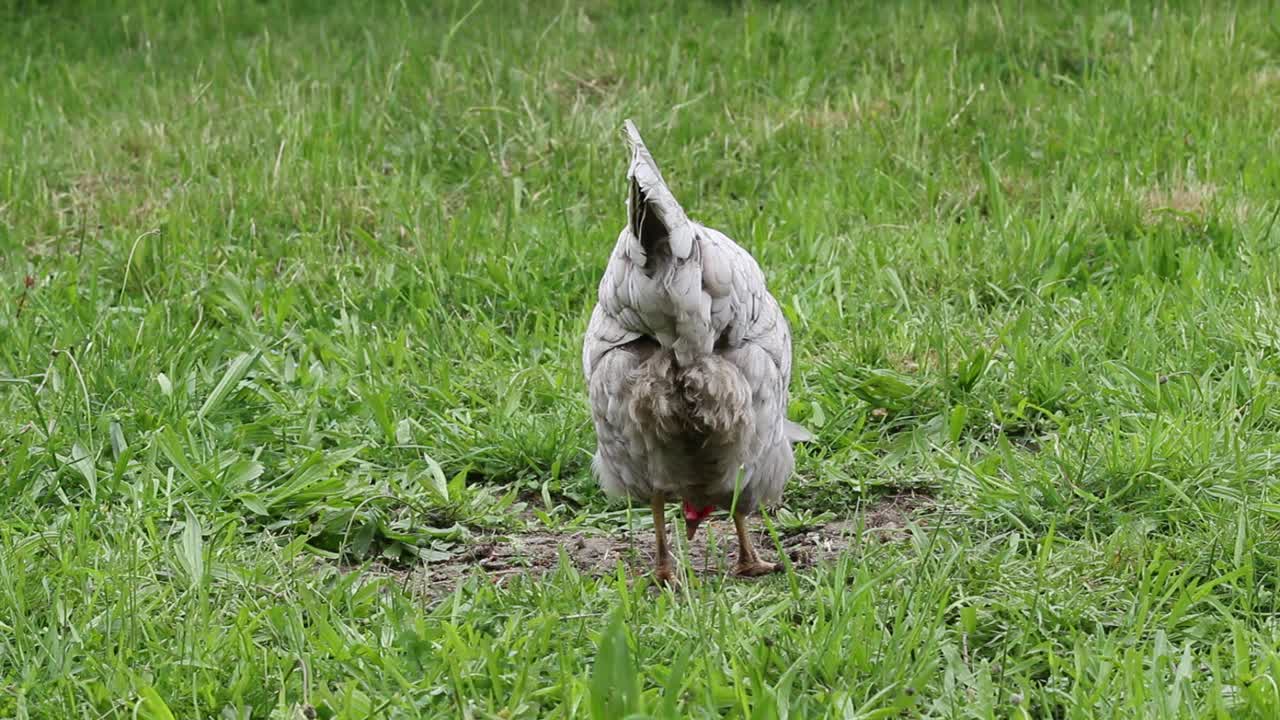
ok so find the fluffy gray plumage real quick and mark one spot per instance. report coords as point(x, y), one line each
point(687, 359)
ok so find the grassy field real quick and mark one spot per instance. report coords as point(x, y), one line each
point(291, 300)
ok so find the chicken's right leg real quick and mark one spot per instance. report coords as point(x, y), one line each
point(663, 570)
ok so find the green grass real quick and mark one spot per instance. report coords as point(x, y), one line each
point(307, 288)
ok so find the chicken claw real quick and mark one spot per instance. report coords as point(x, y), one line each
point(755, 568)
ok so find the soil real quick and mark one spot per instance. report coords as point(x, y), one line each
point(597, 552)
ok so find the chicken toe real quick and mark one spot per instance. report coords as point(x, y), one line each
point(755, 568)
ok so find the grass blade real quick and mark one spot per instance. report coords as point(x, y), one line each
point(234, 373)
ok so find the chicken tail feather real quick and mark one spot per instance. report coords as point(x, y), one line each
point(656, 220)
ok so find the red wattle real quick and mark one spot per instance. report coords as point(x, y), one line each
point(693, 514)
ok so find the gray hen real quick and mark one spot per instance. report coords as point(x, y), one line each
point(687, 359)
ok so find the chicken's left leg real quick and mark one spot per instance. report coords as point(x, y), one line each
point(663, 571)
point(749, 564)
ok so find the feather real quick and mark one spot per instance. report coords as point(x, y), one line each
point(797, 432)
point(651, 206)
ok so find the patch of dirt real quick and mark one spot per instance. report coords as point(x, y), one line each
point(1264, 80)
point(1188, 200)
point(828, 117)
point(597, 552)
point(1191, 203)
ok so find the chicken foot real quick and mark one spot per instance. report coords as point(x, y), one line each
point(749, 564)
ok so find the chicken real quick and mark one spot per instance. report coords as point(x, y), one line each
point(687, 359)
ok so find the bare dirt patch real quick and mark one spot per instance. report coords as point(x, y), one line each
point(501, 557)
point(1187, 200)
point(1192, 203)
point(1263, 81)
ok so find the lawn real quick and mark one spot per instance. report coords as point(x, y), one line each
point(291, 306)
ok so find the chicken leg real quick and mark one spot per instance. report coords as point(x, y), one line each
point(663, 571)
point(749, 564)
